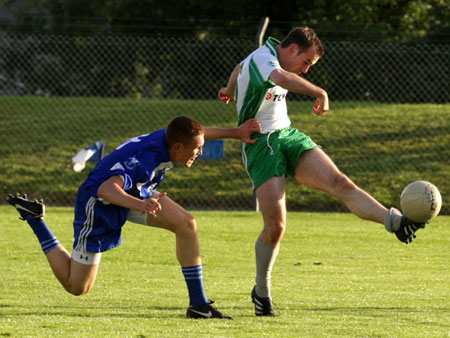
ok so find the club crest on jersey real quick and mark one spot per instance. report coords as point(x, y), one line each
point(272, 63)
point(131, 163)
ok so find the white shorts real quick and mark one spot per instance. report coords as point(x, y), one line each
point(87, 258)
point(140, 217)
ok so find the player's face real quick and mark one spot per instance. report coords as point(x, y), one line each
point(188, 153)
point(300, 63)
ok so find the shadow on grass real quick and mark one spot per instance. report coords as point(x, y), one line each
point(245, 312)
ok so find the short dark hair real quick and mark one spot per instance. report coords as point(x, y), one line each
point(304, 38)
point(183, 129)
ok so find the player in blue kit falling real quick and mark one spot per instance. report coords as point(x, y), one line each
point(123, 187)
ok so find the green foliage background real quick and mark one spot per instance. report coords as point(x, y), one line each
point(388, 20)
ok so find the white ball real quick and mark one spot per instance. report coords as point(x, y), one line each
point(420, 201)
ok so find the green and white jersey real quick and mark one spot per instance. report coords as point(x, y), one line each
point(258, 96)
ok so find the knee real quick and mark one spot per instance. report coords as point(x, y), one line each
point(79, 287)
point(275, 230)
point(342, 184)
point(188, 225)
point(191, 224)
point(77, 290)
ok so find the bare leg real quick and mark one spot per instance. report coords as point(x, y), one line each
point(75, 277)
point(272, 200)
point(315, 169)
point(176, 219)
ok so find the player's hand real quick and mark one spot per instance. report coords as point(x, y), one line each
point(225, 96)
point(322, 105)
point(247, 128)
point(152, 205)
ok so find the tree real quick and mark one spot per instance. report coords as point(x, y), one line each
point(383, 20)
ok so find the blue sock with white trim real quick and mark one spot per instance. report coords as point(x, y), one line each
point(46, 238)
point(193, 276)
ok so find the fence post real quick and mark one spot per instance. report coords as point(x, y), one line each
point(261, 31)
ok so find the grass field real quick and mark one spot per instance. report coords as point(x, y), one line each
point(336, 276)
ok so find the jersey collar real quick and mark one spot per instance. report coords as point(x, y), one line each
point(271, 44)
point(164, 142)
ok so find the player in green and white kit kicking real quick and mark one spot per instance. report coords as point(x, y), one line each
point(259, 85)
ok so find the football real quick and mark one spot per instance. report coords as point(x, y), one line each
point(420, 201)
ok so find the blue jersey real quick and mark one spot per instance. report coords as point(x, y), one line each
point(141, 161)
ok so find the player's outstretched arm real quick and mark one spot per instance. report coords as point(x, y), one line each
point(112, 192)
point(243, 132)
point(296, 84)
point(228, 93)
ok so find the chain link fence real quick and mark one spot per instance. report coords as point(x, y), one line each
point(389, 123)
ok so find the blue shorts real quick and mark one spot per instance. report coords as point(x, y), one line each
point(97, 225)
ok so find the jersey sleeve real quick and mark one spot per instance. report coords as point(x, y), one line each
point(133, 171)
point(265, 64)
point(119, 169)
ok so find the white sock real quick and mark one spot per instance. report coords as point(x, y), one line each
point(392, 220)
point(265, 259)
